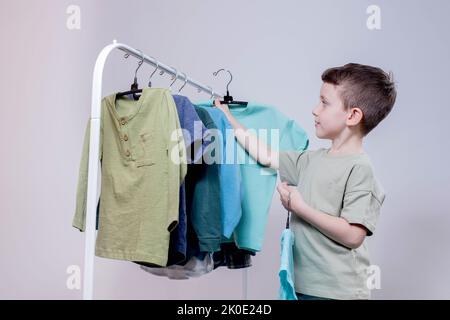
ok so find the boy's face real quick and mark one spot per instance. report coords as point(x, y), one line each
point(330, 115)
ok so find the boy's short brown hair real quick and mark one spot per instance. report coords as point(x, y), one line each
point(365, 87)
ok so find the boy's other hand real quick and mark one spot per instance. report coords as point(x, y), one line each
point(296, 203)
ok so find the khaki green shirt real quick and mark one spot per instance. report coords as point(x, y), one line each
point(139, 180)
point(341, 186)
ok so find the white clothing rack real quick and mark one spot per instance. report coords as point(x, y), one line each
point(92, 192)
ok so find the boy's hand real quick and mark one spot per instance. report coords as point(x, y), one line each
point(336, 228)
point(291, 198)
point(223, 107)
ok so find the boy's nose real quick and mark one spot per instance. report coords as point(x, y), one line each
point(314, 111)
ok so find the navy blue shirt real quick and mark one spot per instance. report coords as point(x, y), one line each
point(193, 130)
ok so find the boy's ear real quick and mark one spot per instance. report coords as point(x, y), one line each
point(355, 116)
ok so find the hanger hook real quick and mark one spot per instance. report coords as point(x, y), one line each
point(139, 64)
point(185, 81)
point(231, 76)
point(175, 77)
point(156, 69)
point(212, 92)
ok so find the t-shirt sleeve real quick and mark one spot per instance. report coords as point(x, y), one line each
point(289, 166)
point(293, 137)
point(363, 198)
point(293, 143)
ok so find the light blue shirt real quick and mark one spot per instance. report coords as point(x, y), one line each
point(286, 272)
point(229, 172)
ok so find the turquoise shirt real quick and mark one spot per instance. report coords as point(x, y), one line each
point(258, 182)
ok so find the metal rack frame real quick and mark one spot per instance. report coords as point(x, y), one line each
point(92, 190)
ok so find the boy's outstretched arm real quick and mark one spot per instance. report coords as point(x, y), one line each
point(257, 148)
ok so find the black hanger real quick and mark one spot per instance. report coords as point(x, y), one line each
point(134, 86)
point(229, 99)
point(289, 212)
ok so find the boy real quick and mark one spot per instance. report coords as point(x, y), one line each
point(333, 193)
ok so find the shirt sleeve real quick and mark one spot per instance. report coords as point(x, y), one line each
point(293, 137)
point(79, 219)
point(289, 166)
point(363, 198)
point(295, 140)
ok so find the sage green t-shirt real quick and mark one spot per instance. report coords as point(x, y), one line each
point(339, 185)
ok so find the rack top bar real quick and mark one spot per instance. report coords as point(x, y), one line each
point(172, 71)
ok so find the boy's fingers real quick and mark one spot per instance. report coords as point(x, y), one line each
point(278, 188)
point(283, 185)
point(281, 189)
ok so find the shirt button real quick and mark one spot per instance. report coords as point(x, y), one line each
point(127, 153)
point(125, 137)
point(123, 122)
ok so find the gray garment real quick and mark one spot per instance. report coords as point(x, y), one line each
point(195, 267)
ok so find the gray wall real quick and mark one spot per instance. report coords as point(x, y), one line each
point(278, 52)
